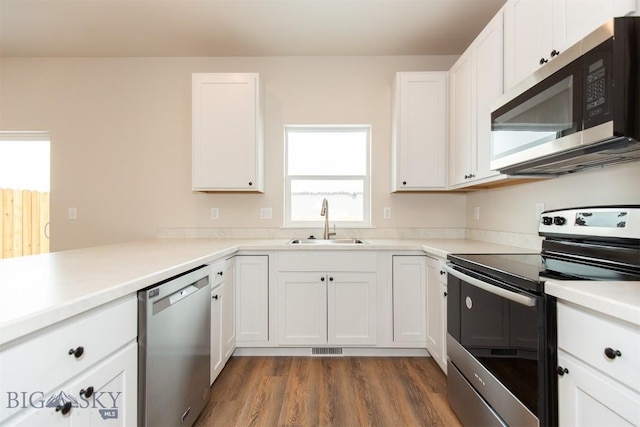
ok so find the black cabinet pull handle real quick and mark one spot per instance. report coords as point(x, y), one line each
point(77, 352)
point(331, 279)
point(442, 272)
point(561, 371)
point(445, 294)
point(543, 61)
point(86, 392)
point(65, 409)
point(220, 273)
point(555, 53)
point(611, 353)
point(215, 297)
point(322, 279)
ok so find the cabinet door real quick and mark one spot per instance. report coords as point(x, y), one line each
point(351, 308)
point(229, 311)
point(586, 397)
point(420, 135)
point(580, 17)
point(409, 298)
point(112, 401)
point(488, 85)
point(462, 129)
point(226, 132)
point(435, 314)
point(216, 331)
point(528, 37)
point(252, 298)
point(302, 308)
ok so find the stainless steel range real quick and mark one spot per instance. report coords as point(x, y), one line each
point(501, 327)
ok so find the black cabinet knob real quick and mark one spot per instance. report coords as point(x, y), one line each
point(220, 273)
point(466, 176)
point(65, 409)
point(77, 352)
point(543, 61)
point(331, 279)
point(250, 183)
point(445, 294)
point(404, 182)
point(322, 279)
point(215, 297)
point(555, 53)
point(442, 272)
point(561, 371)
point(611, 353)
point(86, 392)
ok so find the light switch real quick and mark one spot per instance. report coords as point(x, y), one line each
point(215, 213)
point(73, 213)
point(387, 213)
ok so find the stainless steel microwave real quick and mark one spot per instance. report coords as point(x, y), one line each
point(578, 111)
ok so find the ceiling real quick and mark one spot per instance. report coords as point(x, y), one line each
point(101, 28)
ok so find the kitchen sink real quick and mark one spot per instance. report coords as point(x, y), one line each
point(327, 242)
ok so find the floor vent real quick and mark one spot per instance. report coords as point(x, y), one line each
point(324, 351)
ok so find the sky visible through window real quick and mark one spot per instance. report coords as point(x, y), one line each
point(24, 165)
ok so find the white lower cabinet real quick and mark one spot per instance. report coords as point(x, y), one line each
point(252, 299)
point(80, 372)
point(316, 308)
point(588, 397)
point(409, 298)
point(223, 322)
point(437, 312)
point(598, 369)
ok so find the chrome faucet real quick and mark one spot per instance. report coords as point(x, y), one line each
point(325, 213)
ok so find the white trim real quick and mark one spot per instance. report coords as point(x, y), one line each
point(366, 179)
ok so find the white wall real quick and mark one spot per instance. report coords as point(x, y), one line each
point(121, 138)
point(513, 208)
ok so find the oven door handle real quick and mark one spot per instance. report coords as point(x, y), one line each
point(496, 290)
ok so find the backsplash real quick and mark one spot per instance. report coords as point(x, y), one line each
point(527, 241)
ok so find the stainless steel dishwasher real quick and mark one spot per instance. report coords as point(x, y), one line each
point(174, 347)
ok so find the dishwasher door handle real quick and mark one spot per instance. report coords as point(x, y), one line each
point(179, 295)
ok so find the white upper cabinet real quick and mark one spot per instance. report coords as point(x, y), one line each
point(419, 131)
point(227, 144)
point(475, 81)
point(538, 30)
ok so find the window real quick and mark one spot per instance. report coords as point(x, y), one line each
point(329, 162)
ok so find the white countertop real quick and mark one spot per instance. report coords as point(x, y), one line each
point(39, 290)
point(620, 300)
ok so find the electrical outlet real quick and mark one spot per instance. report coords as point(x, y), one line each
point(387, 213)
point(539, 209)
point(476, 212)
point(265, 213)
point(215, 213)
point(73, 213)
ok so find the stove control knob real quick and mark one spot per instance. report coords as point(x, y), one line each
point(547, 220)
point(558, 220)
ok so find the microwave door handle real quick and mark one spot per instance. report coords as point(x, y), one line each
point(496, 290)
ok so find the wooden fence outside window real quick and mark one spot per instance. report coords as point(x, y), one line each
point(24, 223)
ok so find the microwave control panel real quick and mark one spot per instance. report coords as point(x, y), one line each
point(596, 88)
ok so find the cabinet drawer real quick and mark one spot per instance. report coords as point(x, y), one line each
point(45, 355)
point(112, 400)
point(217, 273)
point(586, 335)
point(328, 261)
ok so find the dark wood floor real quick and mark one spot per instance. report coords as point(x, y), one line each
point(329, 391)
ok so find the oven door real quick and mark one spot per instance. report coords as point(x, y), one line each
point(495, 341)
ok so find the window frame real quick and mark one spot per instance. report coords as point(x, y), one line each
point(366, 179)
